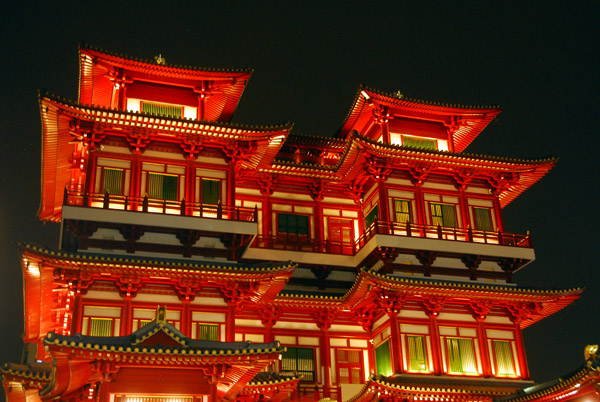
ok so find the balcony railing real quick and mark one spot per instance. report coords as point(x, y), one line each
point(149, 205)
point(293, 242)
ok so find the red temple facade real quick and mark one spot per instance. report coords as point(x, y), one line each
point(202, 260)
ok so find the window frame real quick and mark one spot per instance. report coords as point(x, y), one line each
point(296, 234)
point(419, 140)
point(489, 217)
point(296, 370)
point(350, 366)
point(389, 357)
point(169, 106)
point(163, 198)
point(396, 212)
point(202, 192)
point(462, 362)
point(425, 359)
point(216, 326)
point(513, 362)
point(442, 205)
point(103, 189)
point(375, 212)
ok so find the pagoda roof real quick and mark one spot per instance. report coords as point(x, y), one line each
point(517, 174)
point(535, 303)
point(271, 386)
point(579, 382)
point(430, 388)
point(58, 140)
point(157, 344)
point(473, 118)
point(232, 81)
point(34, 376)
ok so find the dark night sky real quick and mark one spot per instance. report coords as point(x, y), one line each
point(539, 62)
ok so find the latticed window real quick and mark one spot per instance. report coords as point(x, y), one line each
point(101, 326)
point(443, 215)
point(416, 353)
point(349, 362)
point(383, 362)
point(112, 181)
point(504, 358)
point(301, 361)
point(162, 186)
point(483, 219)
point(155, 399)
point(416, 142)
point(211, 191)
point(461, 356)
point(161, 109)
point(208, 332)
point(402, 210)
point(292, 224)
point(370, 217)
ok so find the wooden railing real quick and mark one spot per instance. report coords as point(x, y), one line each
point(303, 243)
point(145, 204)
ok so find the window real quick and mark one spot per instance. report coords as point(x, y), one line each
point(292, 224)
point(207, 332)
point(443, 215)
point(461, 356)
point(161, 109)
point(112, 181)
point(504, 358)
point(101, 326)
point(301, 361)
point(162, 186)
point(383, 362)
point(402, 210)
point(483, 219)
point(416, 142)
point(211, 191)
point(370, 217)
point(349, 363)
point(417, 358)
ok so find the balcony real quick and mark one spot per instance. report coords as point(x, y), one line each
point(155, 206)
point(133, 224)
point(406, 236)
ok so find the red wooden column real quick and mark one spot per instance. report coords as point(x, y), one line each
point(462, 181)
point(518, 313)
point(480, 311)
point(433, 307)
point(128, 289)
point(324, 319)
point(392, 303)
point(266, 187)
point(234, 296)
point(418, 178)
point(498, 212)
point(317, 191)
point(382, 119)
point(79, 288)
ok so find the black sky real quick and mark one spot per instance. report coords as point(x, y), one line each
point(538, 60)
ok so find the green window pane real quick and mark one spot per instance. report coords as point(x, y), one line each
point(443, 215)
point(211, 191)
point(415, 142)
point(100, 327)
point(292, 224)
point(416, 353)
point(504, 358)
point(402, 209)
point(162, 186)
point(208, 332)
point(370, 218)
point(461, 356)
point(383, 362)
point(301, 361)
point(483, 219)
point(112, 181)
point(160, 109)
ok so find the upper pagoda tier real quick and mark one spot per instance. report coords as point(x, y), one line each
point(393, 119)
point(119, 82)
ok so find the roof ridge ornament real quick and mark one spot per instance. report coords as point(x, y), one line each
point(160, 60)
point(161, 314)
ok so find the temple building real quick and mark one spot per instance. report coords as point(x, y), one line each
point(202, 260)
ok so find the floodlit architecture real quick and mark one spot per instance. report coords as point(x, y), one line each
point(202, 260)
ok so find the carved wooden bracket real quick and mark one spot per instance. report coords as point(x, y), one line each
point(356, 191)
point(324, 319)
point(191, 148)
point(433, 305)
point(266, 184)
point(215, 372)
point(426, 258)
point(472, 262)
point(381, 115)
point(392, 302)
point(520, 312)
point(104, 369)
point(317, 190)
point(187, 238)
point(463, 179)
point(187, 290)
point(269, 315)
point(236, 293)
point(138, 141)
point(419, 175)
point(481, 308)
point(321, 273)
point(365, 317)
point(129, 286)
point(377, 168)
point(500, 183)
point(510, 265)
point(131, 233)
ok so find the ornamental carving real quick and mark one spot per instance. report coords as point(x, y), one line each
point(128, 286)
point(324, 319)
point(434, 305)
point(269, 315)
point(391, 302)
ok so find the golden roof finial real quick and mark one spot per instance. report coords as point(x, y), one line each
point(399, 94)
point(161, 314)
point(159, 59)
